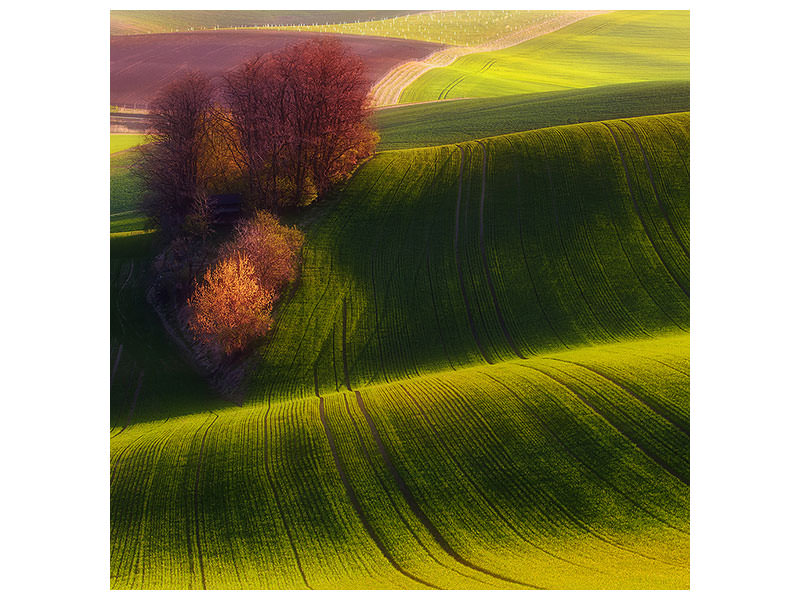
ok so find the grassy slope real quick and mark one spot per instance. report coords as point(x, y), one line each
point(536, 473)
point(461, 120)
point(403, 262)
point(568, 468)
point(161, 21)
point(619, 47)
point(452, 27)
point(126, 191)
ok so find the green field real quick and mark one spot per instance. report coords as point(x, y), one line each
point(451, 27)
point(125, 141)
point(440, 123)
point(618, 47)
point(481, 381)
point(126, 188)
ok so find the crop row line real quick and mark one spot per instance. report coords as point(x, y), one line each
point(639, 213)
point(351, 494)
point(583, 525)
point(655, 190)
point(411, 501)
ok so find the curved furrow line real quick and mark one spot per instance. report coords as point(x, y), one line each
point(274, 380)
point(189, 520)
point(377, 325)
point(492, 507)
point(545, 494)
point(351, 494)
point(485, 260)
point(344, 344)
point(120, 314)
point(639, 212)
point(663, 444)
point(379, 312)
point(435, 309)
point(196, 503)
point(627, 390)
point(525, 251)
point(310, 315)
point(133, 404)
point(577, 521)
point(650, 358)
point(603, 287)
point(657, 460)
point(278, 505)
point(423, 518)
point(152, 451)
point(523, 491)
point(459, 269)
point(409, 364)
point(625, 252)
point(658, 119)
point(450, 86)
point(375, 470)
point(128, 448)
point(655, 190)
point(116, 363)
point(566, 254)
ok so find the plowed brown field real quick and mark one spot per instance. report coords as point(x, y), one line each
point(142, 64)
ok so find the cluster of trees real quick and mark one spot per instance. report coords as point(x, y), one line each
point(280, 130)
point(231, 306)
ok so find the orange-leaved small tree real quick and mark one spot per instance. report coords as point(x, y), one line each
point(230, 308)
point(274, 250)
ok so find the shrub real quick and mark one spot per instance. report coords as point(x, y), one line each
point(230, 308)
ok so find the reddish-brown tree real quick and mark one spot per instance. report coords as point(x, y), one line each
point(182, 155)
point(230, 308)
point(274, 250)
point(326, 99)
point(255, 117)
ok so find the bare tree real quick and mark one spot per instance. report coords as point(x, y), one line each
point(326, 106)
point(182, 155)
point(254, 115)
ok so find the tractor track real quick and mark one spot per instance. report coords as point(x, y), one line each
point(415, 507)
point(351, 494)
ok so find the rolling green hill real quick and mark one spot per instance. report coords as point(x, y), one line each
point(439, 123)
point(481, 381)
point(618, 47)
point(452, 251)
